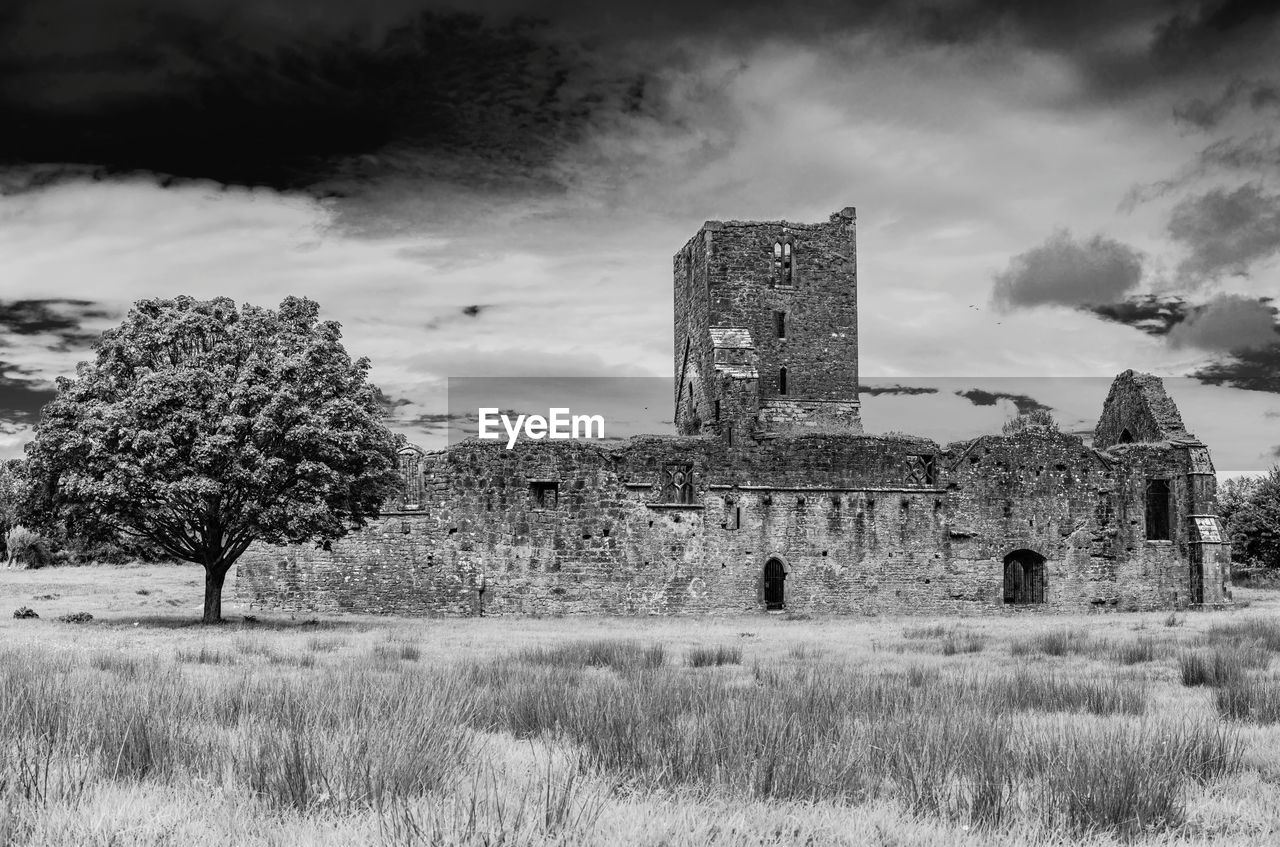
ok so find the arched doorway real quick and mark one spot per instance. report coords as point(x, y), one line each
point(1023, 577)
point(775, 576)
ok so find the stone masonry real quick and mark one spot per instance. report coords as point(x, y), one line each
point(771, 497)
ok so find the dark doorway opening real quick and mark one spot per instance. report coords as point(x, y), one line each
point(1023, 578)
point(775, 576)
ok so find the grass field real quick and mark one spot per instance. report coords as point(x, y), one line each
point(142, 727)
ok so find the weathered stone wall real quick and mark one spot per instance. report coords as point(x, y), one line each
point(862, 524)
point(1138, 404)
point(725, 279)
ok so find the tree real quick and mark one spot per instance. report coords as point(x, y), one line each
point(13, 489)
point(1034, 419)
point(1250, 510)
point(202, 428)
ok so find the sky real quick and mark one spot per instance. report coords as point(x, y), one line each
point(496, 188)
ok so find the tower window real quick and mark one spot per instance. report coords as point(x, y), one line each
point(717, 409)
point(782, 380)
point(1158, 510)
point(784, 260)
point(780, 324)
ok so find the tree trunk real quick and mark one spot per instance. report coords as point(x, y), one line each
point(214, 575)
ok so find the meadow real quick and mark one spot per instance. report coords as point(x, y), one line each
point(141, 727)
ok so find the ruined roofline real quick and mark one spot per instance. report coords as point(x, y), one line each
point(848, 213)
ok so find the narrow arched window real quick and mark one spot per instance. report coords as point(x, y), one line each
point(784, 260)
point(782, 380)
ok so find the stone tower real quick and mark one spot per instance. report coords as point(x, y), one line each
point(766, 329)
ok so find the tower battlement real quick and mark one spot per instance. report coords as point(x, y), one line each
point(766, 329)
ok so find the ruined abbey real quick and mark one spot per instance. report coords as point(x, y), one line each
point(771, 497)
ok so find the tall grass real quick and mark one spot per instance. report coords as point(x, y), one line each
point(343, 739)
point(1218, 666)
point(706, 657)
point(1058, 642)
point(1263, 632)
point(1255, 699)
point(961, 747)
point(622, 656)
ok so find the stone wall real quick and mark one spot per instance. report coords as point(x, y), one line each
point(805, 323)
point(1138, 408)
point(861, 525)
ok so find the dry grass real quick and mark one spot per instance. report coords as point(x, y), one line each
point(384, 731)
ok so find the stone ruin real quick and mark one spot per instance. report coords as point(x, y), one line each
point(771, 497)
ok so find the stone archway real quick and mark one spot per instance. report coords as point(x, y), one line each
point(775, 578)
point(1024, 578)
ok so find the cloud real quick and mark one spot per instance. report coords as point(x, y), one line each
point(328, 95)
point(60, 318)
point(1205, 114)
point(906, 390)
point(1228, 322)
point(1153, 314)
point(1252, 369)
point(1021, 402)
point(1225, 232)
point(21, 397)
point(1069, 272)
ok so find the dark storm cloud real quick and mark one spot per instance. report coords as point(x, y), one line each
point(1225, 231)
point(1205, 114)
point(1021, 402)
point(908, 390)
point(1227, 323)
point(1069, 272)
point(21, 397)
point(326, 95)
point(1153, 314)
point(61, 318)
point(1254, 369)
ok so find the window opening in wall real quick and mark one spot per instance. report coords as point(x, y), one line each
point(1158, 510)
point(783, 261)
point(545, 493)
point(728, 435)
point(688, 274)
point(677, 484)
point(780, 324)
point(1126, 437)
point(411, 480)
point(775, 576)
point(782, 380)
point(922, 470)
point(1024, 578)
point(717, 409)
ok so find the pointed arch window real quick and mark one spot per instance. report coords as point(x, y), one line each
point(782, 381)
point(784, 248)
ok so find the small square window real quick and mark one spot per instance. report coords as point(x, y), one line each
point(545, 493)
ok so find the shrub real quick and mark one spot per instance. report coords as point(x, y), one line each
point(28, 548)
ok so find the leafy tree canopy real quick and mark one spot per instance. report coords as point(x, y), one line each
point(202, 428)
point(1033, 419)
point(1250, 509)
